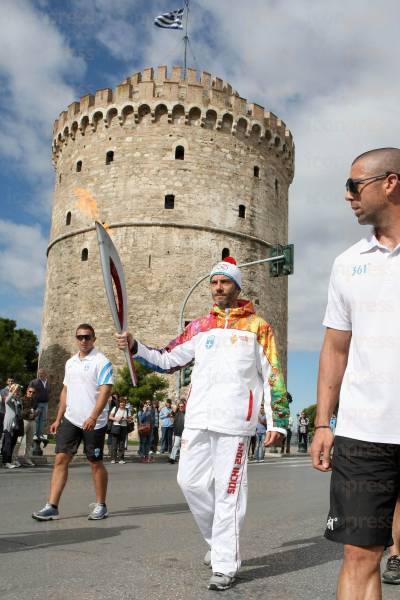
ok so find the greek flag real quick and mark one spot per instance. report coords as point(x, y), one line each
point(170, 20)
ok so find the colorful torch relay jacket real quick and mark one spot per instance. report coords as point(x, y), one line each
point(236, 367)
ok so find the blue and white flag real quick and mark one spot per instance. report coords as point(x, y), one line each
point(170, 20)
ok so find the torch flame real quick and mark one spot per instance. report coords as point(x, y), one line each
point(87, 204)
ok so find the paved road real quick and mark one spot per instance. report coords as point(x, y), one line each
point(149, 548)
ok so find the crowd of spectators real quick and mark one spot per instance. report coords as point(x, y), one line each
point(123, 418)
point(23, 418)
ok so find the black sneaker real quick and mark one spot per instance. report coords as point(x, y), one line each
point(392, 572)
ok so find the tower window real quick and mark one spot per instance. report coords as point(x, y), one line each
point(242, 211)
point(109, 157)
point(85, 254)
point(68, 219)
point(169, 201)
point(256, 171)
point(79, 166)
point(179, 153)
point(225, 253)
point(276, 187)
point(59, 178)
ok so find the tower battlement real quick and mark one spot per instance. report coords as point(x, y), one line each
point(198, 100)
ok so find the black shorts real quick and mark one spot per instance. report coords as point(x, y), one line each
point(69, 436)
point(364, 490)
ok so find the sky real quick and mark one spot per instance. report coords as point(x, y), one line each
point(328, 69)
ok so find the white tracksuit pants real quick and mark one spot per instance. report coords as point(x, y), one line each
point(213, 477)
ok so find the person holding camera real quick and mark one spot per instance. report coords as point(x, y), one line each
point(145, 428)
point(13, 425)
point(119, 418)
point(29, 414)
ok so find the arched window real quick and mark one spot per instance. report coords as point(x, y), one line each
point(179, 153)
point(79, 166)
point(256, 171)
point(242, 211)
point(109, 157)
point(85, 254)
point(225, 253)
point(68, 218)
point(169, 201)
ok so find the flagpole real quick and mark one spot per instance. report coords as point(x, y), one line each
point(185, 39)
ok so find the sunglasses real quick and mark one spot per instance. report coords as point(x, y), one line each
point(352, 184)
point(87, 338)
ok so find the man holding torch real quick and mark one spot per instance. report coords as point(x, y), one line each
point(236, 367)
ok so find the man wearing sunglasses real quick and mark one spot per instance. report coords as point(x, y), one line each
point(360, 364)
point(82, 416)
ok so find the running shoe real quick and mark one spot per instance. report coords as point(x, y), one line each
point(392, 572)
point(10, 466)
point(17, 464)
point(207, 559)
point(47, 513)
point(113, 462)
point(220, 582)
point(122, 462)
point(97, 511)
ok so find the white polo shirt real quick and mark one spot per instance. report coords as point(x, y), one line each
point(364, 298)
point(83, 378)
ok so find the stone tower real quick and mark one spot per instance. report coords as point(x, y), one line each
point(181, 170)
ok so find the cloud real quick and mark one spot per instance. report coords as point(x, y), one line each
point(327, 69)
point(35, 64)
point(22, 257)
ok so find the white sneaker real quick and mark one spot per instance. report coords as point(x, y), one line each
point(151, 452)
point(220, 582)
point(122, 462)
point(29, 462)
point(113, 462)
point(158, 452)
point(97, 511)
point(207, 559)
point(10, 466)
point(17, 464)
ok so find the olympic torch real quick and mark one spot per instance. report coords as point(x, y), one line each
point(114, 283)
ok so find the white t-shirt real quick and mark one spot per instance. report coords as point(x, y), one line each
point(83, 378)
point(364, 298)
point(120, 414)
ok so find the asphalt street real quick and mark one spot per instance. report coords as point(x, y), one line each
point(149, 548)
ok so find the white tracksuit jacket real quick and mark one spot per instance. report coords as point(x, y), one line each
point(235, 367)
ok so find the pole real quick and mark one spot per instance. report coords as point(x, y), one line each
point(185, 39)
point(190, 292)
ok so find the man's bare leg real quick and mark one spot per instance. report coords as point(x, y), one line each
point(100, 480)
point(359, 577)
point(59, 477)
point(395, 549)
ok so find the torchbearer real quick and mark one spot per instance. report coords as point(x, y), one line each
point(235, 367)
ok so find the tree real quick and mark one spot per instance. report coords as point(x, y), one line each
point(310, 413)
point(149, 385)
point(18, 352)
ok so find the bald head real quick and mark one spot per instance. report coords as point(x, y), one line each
point(380, 160)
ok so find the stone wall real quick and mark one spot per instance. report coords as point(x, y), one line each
point(235, 155)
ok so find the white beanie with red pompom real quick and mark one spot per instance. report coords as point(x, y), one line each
point(228, 267)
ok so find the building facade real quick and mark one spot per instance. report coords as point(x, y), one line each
point(182, 171)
